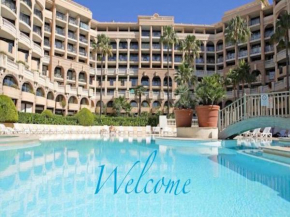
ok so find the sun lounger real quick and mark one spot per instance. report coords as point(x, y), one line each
point(148, 129)
point(267, 132)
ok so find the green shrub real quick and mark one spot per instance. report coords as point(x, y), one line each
point(85, 117)
point(8, 111)
point(47, 113)
point(29, 118)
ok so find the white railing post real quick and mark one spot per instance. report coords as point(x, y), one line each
point(245, 107)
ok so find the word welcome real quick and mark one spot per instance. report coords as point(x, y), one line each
point(151, 186)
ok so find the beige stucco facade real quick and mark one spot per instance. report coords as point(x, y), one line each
point(46, 55)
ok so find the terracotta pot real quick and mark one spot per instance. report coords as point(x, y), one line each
point(207, 115)
point(183, 117)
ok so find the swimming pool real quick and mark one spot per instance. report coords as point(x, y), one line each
point(59, 178)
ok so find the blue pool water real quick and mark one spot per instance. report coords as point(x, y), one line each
point(59, 178)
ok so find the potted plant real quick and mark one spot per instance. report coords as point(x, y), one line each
point(184, 107)
point(208, 92)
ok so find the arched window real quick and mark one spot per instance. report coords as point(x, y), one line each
point(26, 87)
point(10, 81)
point(133, 104)
point(50, 96)
point(40, 92)
point(145, 104)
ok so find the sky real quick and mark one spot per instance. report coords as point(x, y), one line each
point(184, 11)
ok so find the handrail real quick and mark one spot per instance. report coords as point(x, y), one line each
point(249, 106)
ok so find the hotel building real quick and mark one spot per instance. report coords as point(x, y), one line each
point(46, 55)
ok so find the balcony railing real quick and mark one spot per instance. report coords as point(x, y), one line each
point(71, 49)
point(165, 59)
point(60, 16)
point(156, 34)
point(211, 61)
point(84, 40)
point(28, 2)
point(47, 28)
point(112, 58)
point(135, 59)
point(255, 37)
point(10, 4)
point(25, 18)
point(60, 31)
point(38, 13)
point(83, 53)
point(220, 60)
point(37, 30)
point(145, 34)
point(73, 21)
point(269, 33)
point(145, 46)
point(199, 60)
point(256, 50)
point(231, 56)
point(178, 59)
point(59, 46)
point(156, 46)
point(254, 22)
point(243, 53)
point(219, 47)
point(123, 58)
point(145, 58)
point(134, 46)
point(210, 49)
point(72, 35)
point(269, 48)
point(84, 26)
point(123, 46)
point(156, 58)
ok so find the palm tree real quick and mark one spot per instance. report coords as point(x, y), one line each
point(237, 32)
point(127, 108)
point(168, 38)
point(191, 47)
point(139, 91)
point(244, 74)
point(119, 104)
point(233, 79)
point(103, 48)
point(184, 75)
point(281, 36)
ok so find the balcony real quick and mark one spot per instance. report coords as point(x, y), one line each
point(8, 27)
point(46, 43)
point(254, 22)
point(178, 59)
point(59, 46)
point(60, 16)
point(268, 34)
point(255, 37)
point(145, 33)
point(145, 46)
point(47, 28)
point(73, 21)
point(156, 46)
point(25, 18)
point(269, 63)
point(38, 13)
point(220, 60)
point(37, 30)
point(27, 2)
point(269, 48)
point(72, 36)
point(210, 61)
point(123, 46)
point(134, 59)
point(219, 47)
point(84, 40)
point(58, 75)
point(231, 56)
point(229, 44)
point(10, 4)
point(243, 53)
point(199, 60)
point(134, 46)
point(156, 34)
point(156, 58)
point(123, 58)
point(83, 53)
point(84, 26)
point(71, 49)
point(210, 49)
point(60, 31)
point(113, 58)
point(255, 50)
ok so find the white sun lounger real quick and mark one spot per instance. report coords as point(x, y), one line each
point(256, 132)
point(148, 129)
point(267, 132)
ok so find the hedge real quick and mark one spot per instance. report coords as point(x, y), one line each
point(29, 118)
point(8, 111)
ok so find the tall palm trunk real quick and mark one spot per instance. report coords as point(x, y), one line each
point(139, 104)
point(237, 62)
point(101, 84)
point(168, 104)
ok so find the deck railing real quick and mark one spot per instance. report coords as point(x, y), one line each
point(250, 106)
